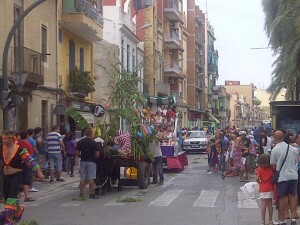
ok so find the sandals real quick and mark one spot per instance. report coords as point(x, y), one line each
point(29, 199)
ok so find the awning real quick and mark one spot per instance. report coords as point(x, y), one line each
point(213, 117)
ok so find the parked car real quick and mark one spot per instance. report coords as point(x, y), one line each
point(195, 141)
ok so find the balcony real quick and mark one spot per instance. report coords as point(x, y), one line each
point(27, 64)
point(199, 107)
point(199, 63)
point(171, 10)
point(212, 96)
point(199, 84)
point(172, 69)
point(198, 20)
point(198, 40)
point(214, 111)
point(126, 20)
point(163, 88)
point(172, 41)
point(223, 112)
point(81, 18)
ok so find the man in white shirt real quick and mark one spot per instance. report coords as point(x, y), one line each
point(288, 177)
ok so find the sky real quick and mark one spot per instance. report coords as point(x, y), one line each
point(239, 26)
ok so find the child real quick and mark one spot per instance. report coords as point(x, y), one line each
point(71, 146)
point(211, 151)
point(264, 175)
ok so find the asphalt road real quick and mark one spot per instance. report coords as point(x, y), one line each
point(187, 198)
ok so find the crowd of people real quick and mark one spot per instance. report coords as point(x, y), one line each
point(261, 155)
point(29, 156)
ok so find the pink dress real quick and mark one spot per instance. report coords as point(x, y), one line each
point(237, 157)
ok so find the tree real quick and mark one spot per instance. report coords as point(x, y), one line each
point(282, 25)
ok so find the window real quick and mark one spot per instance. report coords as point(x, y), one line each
point(180, 33)
point(133, 60)
point(122, 52)
point(60, 35)
point(128, 58)
point(221, 106)
point(44, 43)
point(180, 60)
point(81, 59)
point(44, 116)
point(71, 55)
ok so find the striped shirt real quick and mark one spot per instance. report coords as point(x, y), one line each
point(124, 141)
point(53, 142)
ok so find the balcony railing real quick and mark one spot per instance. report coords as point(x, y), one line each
point(173, 66)
point(199, 106)
point(171, 5)
point(212, 68)
point(83, 6)
point(199, 84)
point(125, 18)
point(174, 35)
point(198, 20)
point(198, 39)
point(28, 61)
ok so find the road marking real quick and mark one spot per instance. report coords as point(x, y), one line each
point(70, 204)
point(207, 199)
point(166, 198)
point(166, 184)
point(246, 203)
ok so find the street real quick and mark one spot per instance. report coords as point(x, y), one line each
point(187, 198)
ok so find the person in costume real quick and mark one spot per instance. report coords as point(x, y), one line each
point(123, 141)
point(13, 157)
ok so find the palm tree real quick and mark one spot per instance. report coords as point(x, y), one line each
point(282, 25)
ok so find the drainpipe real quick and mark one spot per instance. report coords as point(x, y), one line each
point(4, 80)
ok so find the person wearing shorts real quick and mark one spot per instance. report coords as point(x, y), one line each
point(287, 181)
point(55, 147)
point(246, 147)
point(88, 150)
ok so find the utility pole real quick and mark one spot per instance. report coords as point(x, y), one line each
point(4, 79)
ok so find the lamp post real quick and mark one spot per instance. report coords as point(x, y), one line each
point(4, 80)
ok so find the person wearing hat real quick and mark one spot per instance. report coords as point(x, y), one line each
point(246, 146)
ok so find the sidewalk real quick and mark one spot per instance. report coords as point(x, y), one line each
point(47, 188)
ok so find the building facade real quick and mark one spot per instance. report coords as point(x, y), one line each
point(195, 64)
point(80, 26)
point(33, 59)
point(212, 74)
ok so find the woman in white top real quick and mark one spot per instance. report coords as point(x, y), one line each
point(158, 118)
point(169, 136)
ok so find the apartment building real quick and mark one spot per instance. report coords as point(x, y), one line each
point(246, 90)
point(195, 62)
point(212, 72)
point(32, 62)
point(80, 25)
point(223, 111)
point(54, 40)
